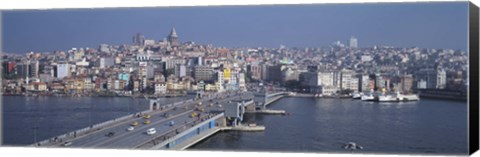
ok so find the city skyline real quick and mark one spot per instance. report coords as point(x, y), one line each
point(243, 26)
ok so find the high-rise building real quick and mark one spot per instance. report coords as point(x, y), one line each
point(275, 73)
point(138, 39)
point(241, 81)
point(353, 42)
point(173, 37)
point(180, 70)
point(34, 68)
point(63, 70)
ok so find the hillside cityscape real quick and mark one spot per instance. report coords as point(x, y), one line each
point(168, 67)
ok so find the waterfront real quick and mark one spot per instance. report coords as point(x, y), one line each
point(324, 125)
point(314, 125)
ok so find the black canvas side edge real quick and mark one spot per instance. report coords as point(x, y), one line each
point(473, 80)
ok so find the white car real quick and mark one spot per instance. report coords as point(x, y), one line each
point(66, 144)
point(151, 131)
point(130, 128)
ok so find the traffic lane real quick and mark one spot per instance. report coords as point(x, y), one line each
point(100, 136)
point(184, 126)
point(144, 128)
point(141, 136)
point(131, 142)
point(138, 129)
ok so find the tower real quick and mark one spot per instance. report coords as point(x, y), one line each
point(353, 42)
point(173, 38)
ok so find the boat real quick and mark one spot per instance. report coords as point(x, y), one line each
point(352, 146)
point(367, 97)
point(356, 95)
point(387, 98)
point(397, 97)
point(408, 97)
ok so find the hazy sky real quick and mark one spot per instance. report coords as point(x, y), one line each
point(426, 25)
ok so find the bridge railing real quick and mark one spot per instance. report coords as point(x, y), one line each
point(164, 139)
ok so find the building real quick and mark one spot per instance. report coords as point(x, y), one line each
point(22, 70)
point(434, 78)
point(34, 68)
point(406, 83)
point(172, 62)
point(364, 83)
point(241, 81)
point(138, 39)
point(8, 69)
point(255, 69)
point(353, 42)
point(203, 73)
point(180, 70)
point(289, 74)
point(105, 62)
point(325, 78)
point(124, 76)
point(160, 88)
point(275, 73)
point(173, 37)
point(63, 70)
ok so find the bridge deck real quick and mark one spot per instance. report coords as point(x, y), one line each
point(138, 137)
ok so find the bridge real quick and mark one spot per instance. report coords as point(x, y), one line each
point(178, 125)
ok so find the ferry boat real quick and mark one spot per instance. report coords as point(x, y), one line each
point(408, 97)
point(387, 98)
point(367, 97)
point(357, 95)
point(397, 97)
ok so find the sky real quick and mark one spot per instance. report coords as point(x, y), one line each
point(425, 25)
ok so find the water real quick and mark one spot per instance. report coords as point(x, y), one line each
point(315, 125)
point(324, 125)
point(53, 116)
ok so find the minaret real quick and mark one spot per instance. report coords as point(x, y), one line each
point(173, 37)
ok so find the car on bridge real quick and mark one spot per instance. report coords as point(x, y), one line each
point(110, 134)
point(66, 144)
point(130, 128)
point(151, 131)
point(172, 123)
point(147, 116)
point(194, 114)
point(146, 122)
point(135, 123)
point(167, 115)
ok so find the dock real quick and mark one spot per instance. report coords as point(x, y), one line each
point(268, 111)
point(244, 128)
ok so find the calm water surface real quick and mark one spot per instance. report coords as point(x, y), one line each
point(324, 125)
point(315, 125)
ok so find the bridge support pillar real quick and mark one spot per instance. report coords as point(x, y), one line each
point(154, 105)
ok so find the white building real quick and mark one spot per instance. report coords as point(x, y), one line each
point(353, 42)
point(171, 62)
point(241, 82)
point(63, 70)
point(160, 88)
